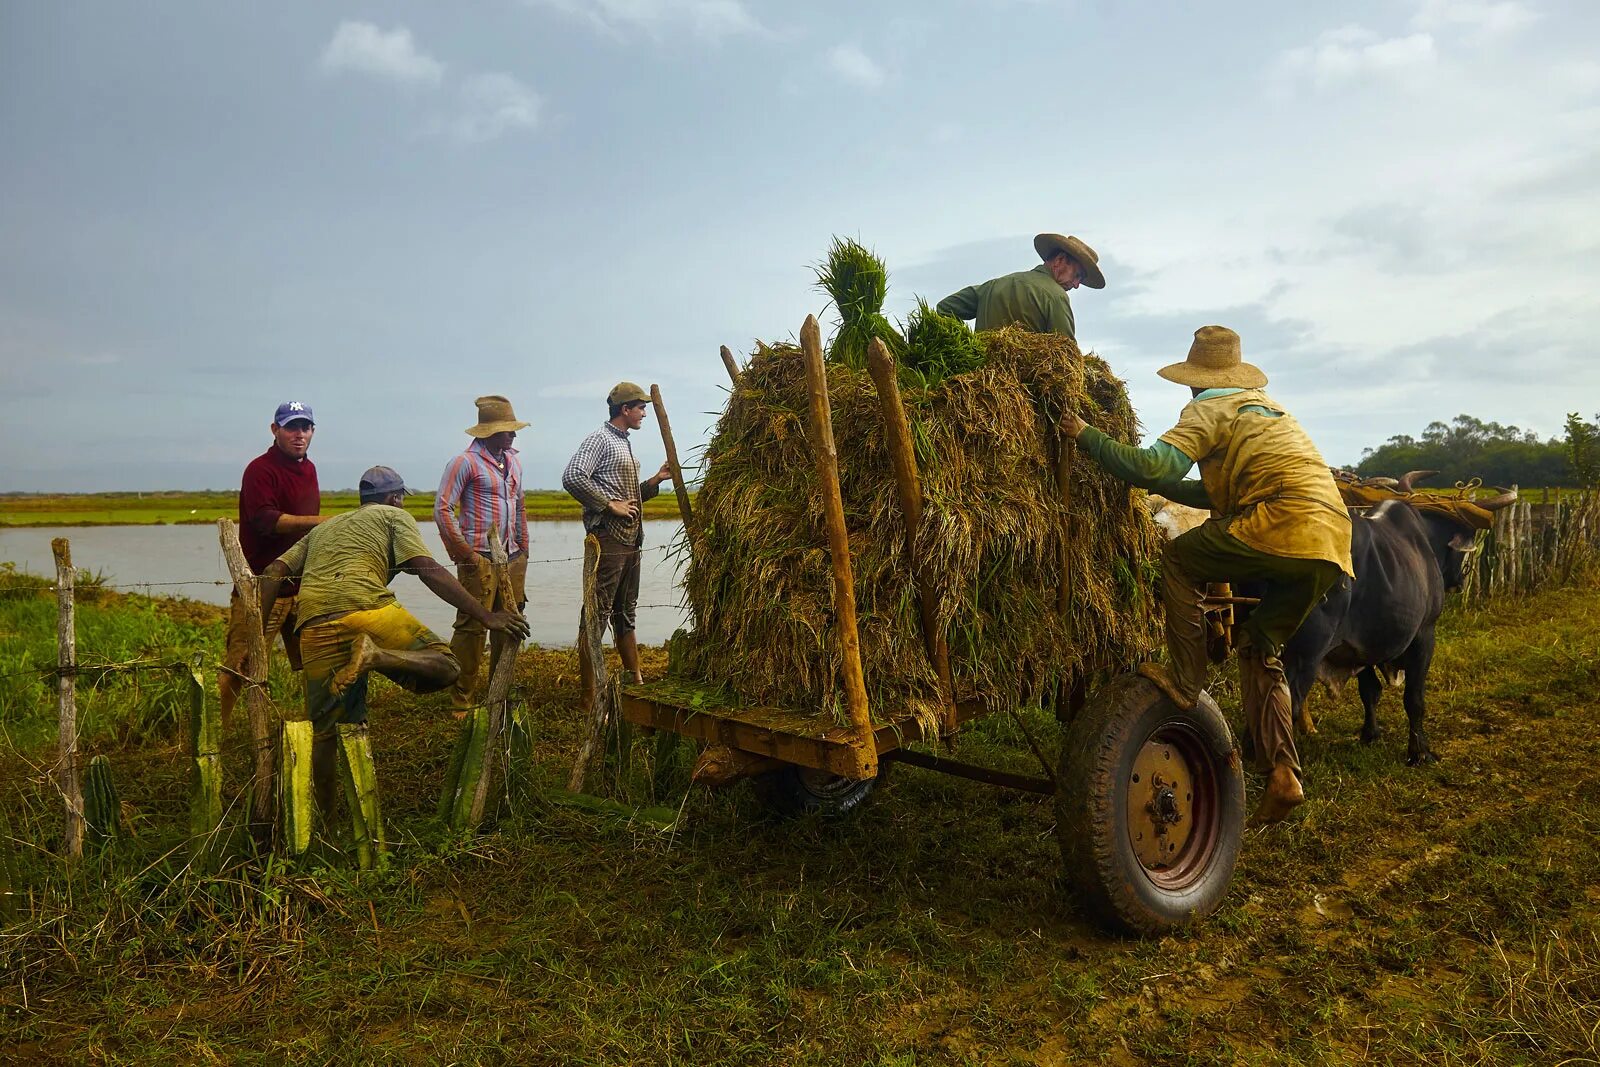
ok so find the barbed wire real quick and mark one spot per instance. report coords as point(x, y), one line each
point(42, 583)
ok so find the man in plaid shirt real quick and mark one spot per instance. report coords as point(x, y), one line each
point(485, 484)
point(604, 477)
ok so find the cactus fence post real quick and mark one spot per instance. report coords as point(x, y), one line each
point(296, 806)
point(360, 777)
point(205, 776)
point(102, 810)
point(66, 698)
point(255, 689)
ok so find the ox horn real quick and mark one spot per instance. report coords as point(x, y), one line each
point(1495, 503)
point(1404, 484)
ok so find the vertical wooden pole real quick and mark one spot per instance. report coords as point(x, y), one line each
point(681, 490)
point(732, 367)
point(908, 484)
point(594, 656)
point(67, 698)
point(864, 746)
point(1066, 453)
point(504, 653)
point(262, 793)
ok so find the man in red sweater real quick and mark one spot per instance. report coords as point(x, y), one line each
point(279, 503)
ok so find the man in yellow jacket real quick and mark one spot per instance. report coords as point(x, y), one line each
point(1277, 518)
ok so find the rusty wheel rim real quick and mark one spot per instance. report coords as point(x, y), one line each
point(1172, 808)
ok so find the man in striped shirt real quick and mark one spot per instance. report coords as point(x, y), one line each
point(604, 477)
point(483, 484)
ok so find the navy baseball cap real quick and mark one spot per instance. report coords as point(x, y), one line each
point(381, 481)
point(290, 410)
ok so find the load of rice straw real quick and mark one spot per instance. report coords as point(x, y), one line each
point(760, 584)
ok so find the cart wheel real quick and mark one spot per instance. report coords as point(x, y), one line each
point(793, 790)
point(1151, 807)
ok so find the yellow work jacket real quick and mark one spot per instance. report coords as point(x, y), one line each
point(1265, 476)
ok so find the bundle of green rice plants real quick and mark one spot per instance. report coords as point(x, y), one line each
point(857, 282)
point(937, 346)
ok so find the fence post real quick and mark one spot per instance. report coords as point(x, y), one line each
point(205, 755)
point(67, 697)
point(261, 784)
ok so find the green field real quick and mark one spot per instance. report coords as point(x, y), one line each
point(146, 509)
point(1447, 914)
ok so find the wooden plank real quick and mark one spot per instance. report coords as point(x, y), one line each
point(66, 770)
point(844, 592)
point(806, 739)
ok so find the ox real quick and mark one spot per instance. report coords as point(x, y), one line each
point(1406, 559)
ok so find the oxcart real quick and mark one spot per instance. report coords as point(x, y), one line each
point(1149, 797)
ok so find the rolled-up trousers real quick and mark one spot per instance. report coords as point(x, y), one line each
point(1209, 553)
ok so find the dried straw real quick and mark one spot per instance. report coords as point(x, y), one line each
point(758, 585)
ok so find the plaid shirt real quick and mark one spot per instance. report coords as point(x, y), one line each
point(490, 498)
point(602, 470)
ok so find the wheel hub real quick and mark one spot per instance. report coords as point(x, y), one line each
point(1160, 804)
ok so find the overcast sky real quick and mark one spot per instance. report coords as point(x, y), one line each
point(384, 210)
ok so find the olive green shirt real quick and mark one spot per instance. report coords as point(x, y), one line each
point(1030, 298)
point(346, 563)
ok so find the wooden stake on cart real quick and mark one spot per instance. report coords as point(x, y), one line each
point(67, 779)
point(733, 368)
point(255, 686)
point(864, 746)
point(880, 364)
point(678, 488)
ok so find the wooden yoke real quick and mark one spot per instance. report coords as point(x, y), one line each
point(909, 486)
point(864, 746)
point(681, 490)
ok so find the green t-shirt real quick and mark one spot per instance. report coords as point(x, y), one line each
point(1031, 298)
point(346, 563)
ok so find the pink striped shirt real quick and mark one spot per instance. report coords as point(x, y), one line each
point(488, 498)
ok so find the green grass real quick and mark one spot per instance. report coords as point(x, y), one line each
point(1443, 915)
point(175, 508)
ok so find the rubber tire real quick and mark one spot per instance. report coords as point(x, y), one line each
point(787, 793)
point(1097, 756)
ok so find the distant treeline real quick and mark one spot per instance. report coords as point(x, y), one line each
point(1468, 447)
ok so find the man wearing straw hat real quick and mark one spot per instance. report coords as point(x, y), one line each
point(604, 477)
point(1037, 298)
point(352, 623)
point(481, 490)
point(1277, 519)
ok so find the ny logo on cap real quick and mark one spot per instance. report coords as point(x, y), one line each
point(295, 405)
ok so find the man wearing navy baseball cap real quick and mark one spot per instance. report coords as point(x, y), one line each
point(279, 503)
point(351, 623)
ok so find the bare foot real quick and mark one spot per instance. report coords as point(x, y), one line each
point(1161, 674)
point(362, 653)
point(1283, 795)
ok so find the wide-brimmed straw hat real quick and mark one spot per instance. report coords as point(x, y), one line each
point(1214, 363)
point(494, 416)
point(1048, 244)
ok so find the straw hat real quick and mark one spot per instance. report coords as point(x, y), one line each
point(1214, 362)
point(494, 416)
point(1048, 244)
